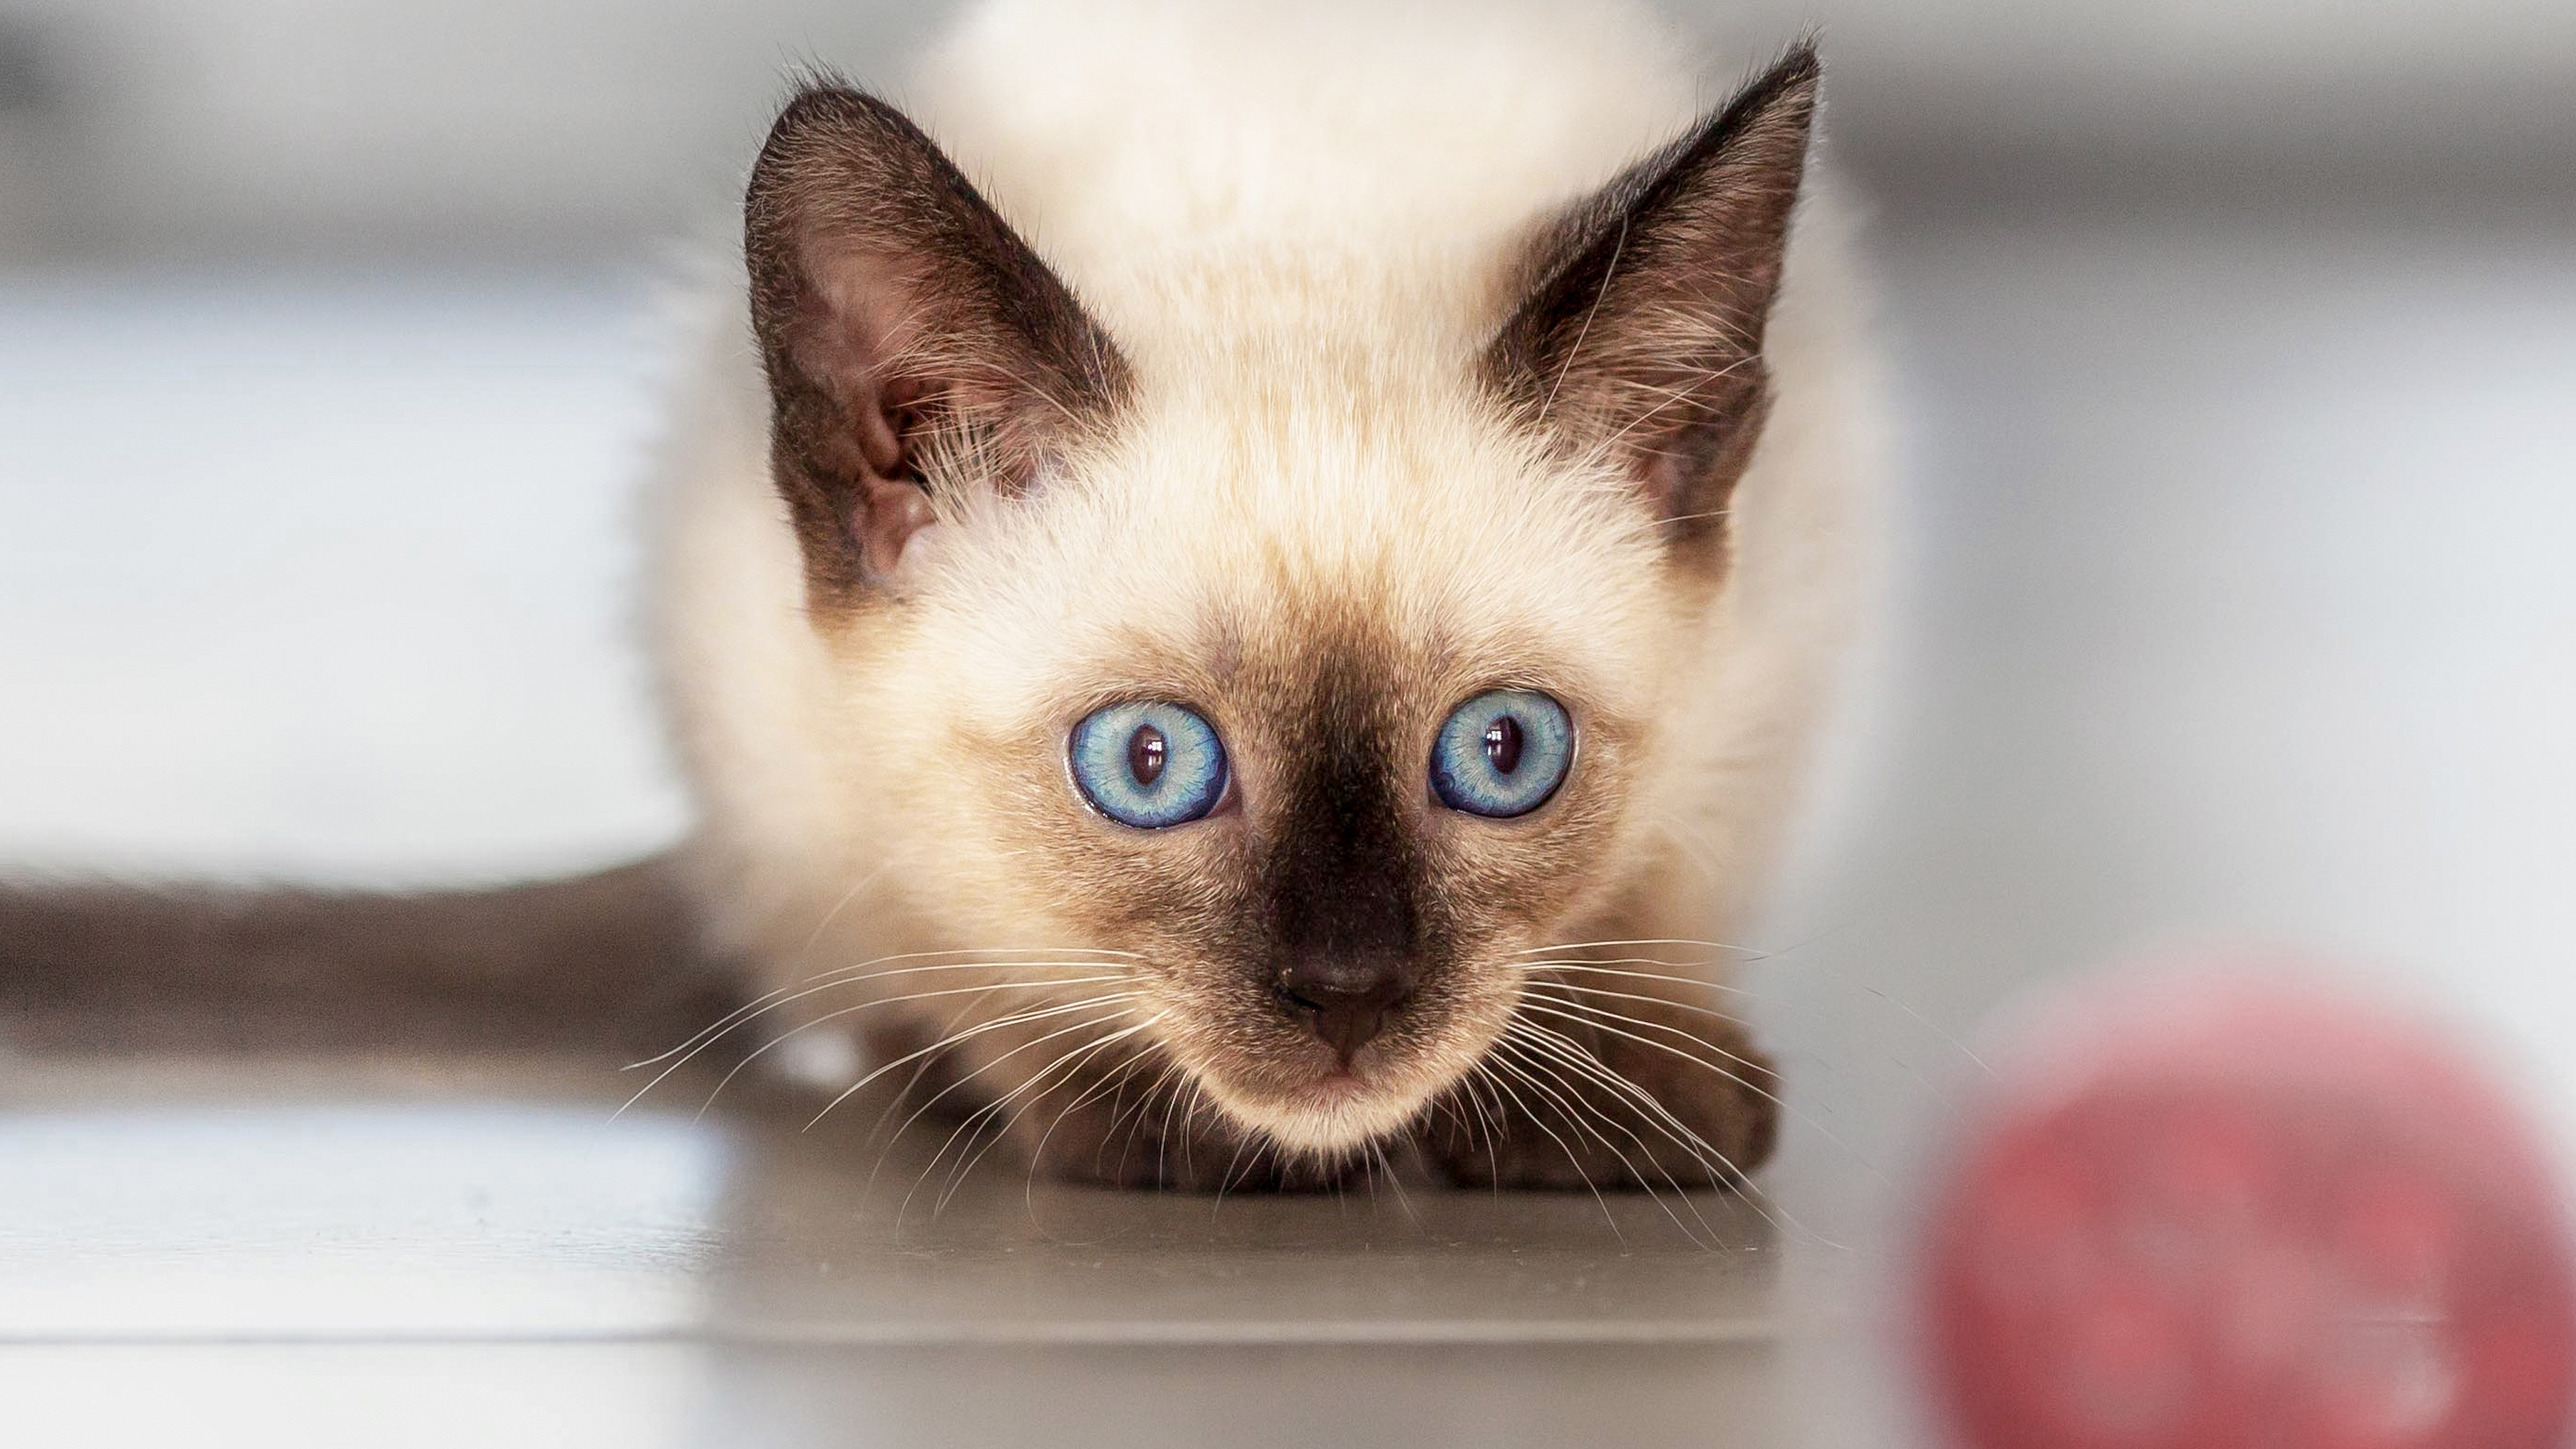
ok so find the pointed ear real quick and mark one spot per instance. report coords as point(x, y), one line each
point(1641, 332)
point(913, 341)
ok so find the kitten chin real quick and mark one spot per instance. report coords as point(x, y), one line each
point(1270, 603)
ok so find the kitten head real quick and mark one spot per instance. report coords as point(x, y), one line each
point(1322, 653)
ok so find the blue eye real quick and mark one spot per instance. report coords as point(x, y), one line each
point(1502, 753)
point(1148, 765)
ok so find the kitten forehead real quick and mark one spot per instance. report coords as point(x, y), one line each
point(1213, 547)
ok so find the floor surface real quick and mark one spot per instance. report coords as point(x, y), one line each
point(434, 1252)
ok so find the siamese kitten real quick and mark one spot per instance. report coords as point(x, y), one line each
point(1244, 588)
point(1244, 535)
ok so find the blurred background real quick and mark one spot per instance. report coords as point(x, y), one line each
point(2230, 598)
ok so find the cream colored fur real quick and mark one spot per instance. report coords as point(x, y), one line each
point(1296, 221)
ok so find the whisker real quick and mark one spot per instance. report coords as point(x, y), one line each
point(1535, 991)
point(1123, 1078)
point(1694, 1008)
point(955, 1038)
point(753, 1010)
point(1572, 1159)
point(1921, 1078)
point(1118, 1078)
point(1481, 1091)
point(1083, 956)
point(1600, 1019)
point(1469, 1087)
point(1948, 1038)
point(1248, 1142)
point(1657, 1112)
point(1166, 1079)
point(1661, 1118)
point(1701, 857)
point(1641, 941)
point(1623, 966)
point(1614, 966)
point(1395, 1185)
point(862, 969)
point(870, 1004)
point(1573, 1056)
point(968, 1122)
point(1071, 1063)
point(910, 1091)
point(1019, 1019)
point(1617, 966)
point(1529, 1071)
point(841, 905)
point(1188, 1115)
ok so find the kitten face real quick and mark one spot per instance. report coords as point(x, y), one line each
point(1321, 552)
point(1327, 663)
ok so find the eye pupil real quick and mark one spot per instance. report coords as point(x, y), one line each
point(1503, 744)
point(1147, 752)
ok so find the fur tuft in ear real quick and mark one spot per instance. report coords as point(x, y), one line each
point(1641, 331)
point(912, 340)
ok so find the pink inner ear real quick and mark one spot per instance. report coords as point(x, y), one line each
point(853, 345)
point(877, 441)
point(889, 512)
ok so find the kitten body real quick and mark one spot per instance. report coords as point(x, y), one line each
point(1317, 509)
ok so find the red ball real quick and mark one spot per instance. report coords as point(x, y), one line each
point(2206, 1213)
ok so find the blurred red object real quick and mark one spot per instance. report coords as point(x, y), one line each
point(2247, 1212)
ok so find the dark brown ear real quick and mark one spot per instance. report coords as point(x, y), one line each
point(1642, 330)
point(913, 341)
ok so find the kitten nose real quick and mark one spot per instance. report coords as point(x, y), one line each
point(1349, 1000)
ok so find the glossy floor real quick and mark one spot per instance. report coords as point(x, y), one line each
point(446, 1253)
